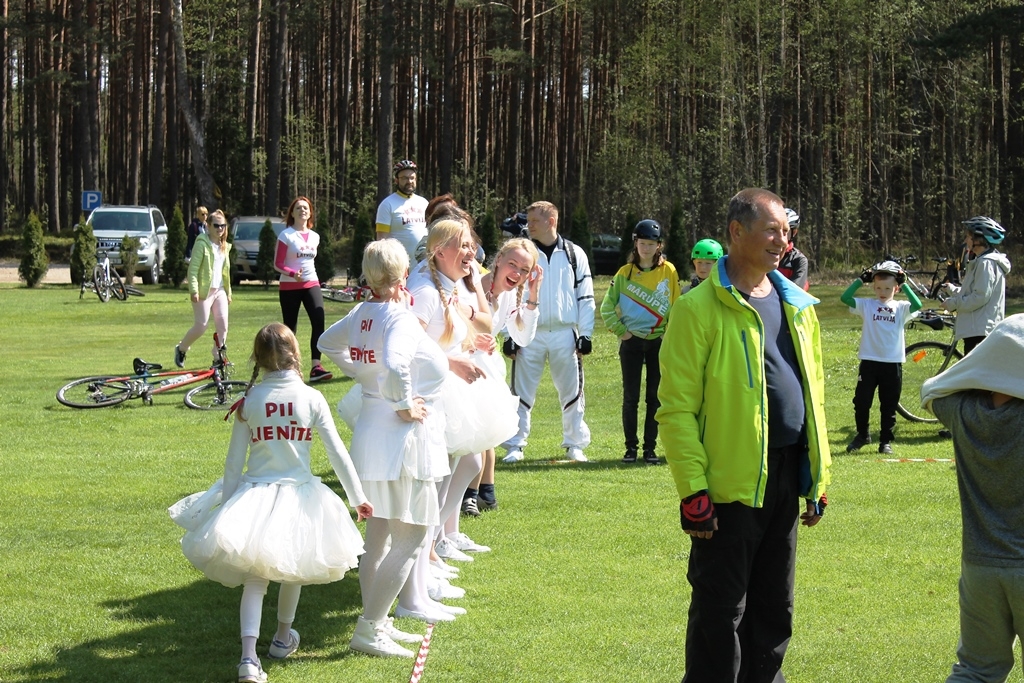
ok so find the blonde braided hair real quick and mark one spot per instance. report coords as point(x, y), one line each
point(441, 233)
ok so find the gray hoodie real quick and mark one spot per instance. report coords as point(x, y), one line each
point(981, 301)
point(989, 447)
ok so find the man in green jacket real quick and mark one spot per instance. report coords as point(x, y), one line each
point(742, 419)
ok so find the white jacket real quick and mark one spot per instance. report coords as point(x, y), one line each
point(980, 302)
point(996, 364)
point(274, 427)
point(566, 297)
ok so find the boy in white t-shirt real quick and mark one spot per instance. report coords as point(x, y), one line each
point(881, 348)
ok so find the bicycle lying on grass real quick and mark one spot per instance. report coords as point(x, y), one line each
point(147, 382)
point(106, 282)
point(347, 294)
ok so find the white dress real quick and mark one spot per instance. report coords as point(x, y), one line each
point(383, 346)
point(276, 520)
point(518, 321)
point(481, 414)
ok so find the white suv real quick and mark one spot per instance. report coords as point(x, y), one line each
point(110, 224)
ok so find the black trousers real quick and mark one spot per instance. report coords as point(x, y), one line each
point(888, 379)
point(971, 342)
point(313, 301)
point(741, 609)
point(634, 354)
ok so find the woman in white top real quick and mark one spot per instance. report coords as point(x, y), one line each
point(209, 286)
point(398, 439)
point(275, 521)
point(451, 303)
point(513, 310)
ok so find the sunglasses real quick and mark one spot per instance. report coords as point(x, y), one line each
point(220, 226)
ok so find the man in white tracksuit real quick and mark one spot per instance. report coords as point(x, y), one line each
point(563, 335)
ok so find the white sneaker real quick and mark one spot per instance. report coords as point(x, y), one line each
point(251, 672)
point(441, 574)
point(371, 638)
point(575, 454)
point(442, 590)
point(389, 628)
point(444, 566)
point(447, 550)
point(466, 544)
point(279, 650)
point(450, 610)
point(514, 454)
point(431, 617)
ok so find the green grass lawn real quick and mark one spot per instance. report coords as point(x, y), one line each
point(586, 581)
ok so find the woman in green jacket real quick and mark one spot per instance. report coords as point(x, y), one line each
point(209, 286)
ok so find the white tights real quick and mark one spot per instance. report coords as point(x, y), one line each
point(383, 571)
point(463, 474)
point(251, 612)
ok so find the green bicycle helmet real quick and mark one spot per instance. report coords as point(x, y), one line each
point(707, 249)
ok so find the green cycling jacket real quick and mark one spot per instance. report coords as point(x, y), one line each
point(713, 420)
point(200, 268)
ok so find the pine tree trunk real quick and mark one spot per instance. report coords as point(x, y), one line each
point(276, 104)
point(386, 114)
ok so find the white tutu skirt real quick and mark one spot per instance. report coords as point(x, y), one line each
point(479, 416)
point(280, 532)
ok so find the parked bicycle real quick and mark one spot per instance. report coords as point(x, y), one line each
point(148, 381)
point(105, 281)
point(925, 359)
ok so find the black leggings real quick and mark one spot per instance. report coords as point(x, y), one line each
point(313, 301)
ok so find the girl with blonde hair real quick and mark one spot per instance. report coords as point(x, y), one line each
point(269, 518)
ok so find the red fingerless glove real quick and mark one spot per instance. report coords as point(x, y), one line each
point(697, 512)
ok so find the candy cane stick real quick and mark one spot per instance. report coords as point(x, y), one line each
point(421, 657)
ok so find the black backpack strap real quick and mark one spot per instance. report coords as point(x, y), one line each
point(570, 253)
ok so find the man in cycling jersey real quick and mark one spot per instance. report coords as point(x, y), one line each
point(401, 214)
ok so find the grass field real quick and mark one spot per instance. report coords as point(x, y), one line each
point(586, 581)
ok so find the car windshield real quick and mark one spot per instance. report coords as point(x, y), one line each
point(250, 230)
point(118, 221)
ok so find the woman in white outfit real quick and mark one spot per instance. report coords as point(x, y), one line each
point(513, 292)
point(398, 445)
point(452, 305)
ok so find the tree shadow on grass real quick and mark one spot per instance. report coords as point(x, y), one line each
point(191, 634)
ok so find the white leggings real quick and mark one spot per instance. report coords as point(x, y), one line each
point(453, 488)
point(217, 304)
point(383, 571)
point(251, 610)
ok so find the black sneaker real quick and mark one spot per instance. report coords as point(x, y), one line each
point(486, 501)
point(179, 357)
point(318, 374)
point(885, 448)
point(630, 456)
point(469, 507)
point(859, 442)
point(651, 458)
point(945, 434)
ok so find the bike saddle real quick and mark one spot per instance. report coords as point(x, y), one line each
point(142, 367)
point(931, 320)
point(940, 259)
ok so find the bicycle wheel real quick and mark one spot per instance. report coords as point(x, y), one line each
point(924, 360)
point(100, 283)
point(214, 396)
point(134, 291)
point(117, 286)
point(95, 392)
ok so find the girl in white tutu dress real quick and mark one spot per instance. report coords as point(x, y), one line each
point(274, 521)
point(450, 301)
point(513, 292)
point(397, 439)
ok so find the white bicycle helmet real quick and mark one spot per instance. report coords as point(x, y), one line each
point(990, 231)
point(794, 219)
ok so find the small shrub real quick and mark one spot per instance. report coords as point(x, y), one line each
point(580, 233)
point(34, 261)
point(324, 263)
point(265, 256)
point(487, 229)
point(129, 257)
point(83, 257)
point(363, 235)
point(174, 267)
